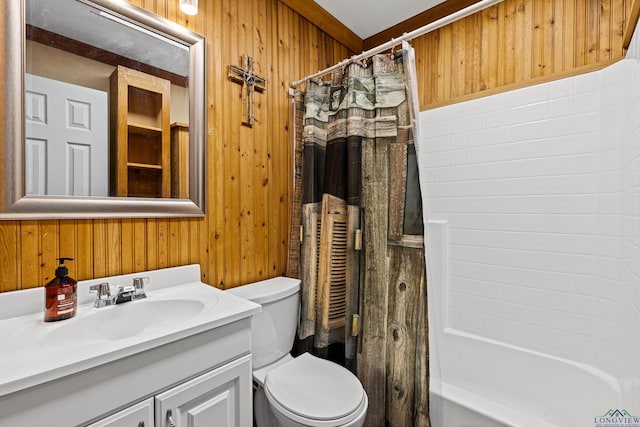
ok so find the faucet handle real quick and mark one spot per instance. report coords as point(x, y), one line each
point(138, 286)
point(101, 289)
point(139, 282)
point(103, 292)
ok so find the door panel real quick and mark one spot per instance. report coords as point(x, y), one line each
point(222, 397)
point(71, 121)
point(138, 415)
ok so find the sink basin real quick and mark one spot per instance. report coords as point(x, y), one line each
point(123, 321)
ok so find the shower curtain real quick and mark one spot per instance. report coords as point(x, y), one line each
point(355, 192)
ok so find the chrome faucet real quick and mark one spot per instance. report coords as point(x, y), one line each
point(124, 294)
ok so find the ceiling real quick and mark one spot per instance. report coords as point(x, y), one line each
point(380, 14)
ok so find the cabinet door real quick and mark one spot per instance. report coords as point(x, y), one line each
point(138, 415)
point(221, 397)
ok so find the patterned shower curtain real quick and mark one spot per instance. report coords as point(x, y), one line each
point(363, 103)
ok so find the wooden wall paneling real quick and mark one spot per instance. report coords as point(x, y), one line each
point(274, 134)
point(527, 39)
point(68, 246)
point(518, 53)
point(261, 146)
point(458, 60)
point(444, 64)
point(140, 250)
point(128, 250)
point(10, 277)
point(538, 59)
point(620, 21)
point(557, 36)
point(30, 254)
point(569, 57)
point(471, 75)
point(174, 242)
point(231, 274)
point(548, 49)
point(162, 241)
point(84, 249)
point(151, 243)
point(518, 43)
point(246, 138)
point(114, 247)
point(508, 72)
point(184, 241)
point(49, 250)
point(489, 43)
point(604, 33)
point(593, 31)
point(100, 248)
point(580, 33)
point(283, 51)
point(215, 146)
point(499, 44)
point(296, 68)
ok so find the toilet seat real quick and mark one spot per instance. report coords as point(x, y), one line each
point(315, 392)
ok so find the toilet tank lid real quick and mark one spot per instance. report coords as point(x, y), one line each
point(268, 290)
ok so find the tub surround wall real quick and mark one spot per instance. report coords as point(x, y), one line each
point(533, 198)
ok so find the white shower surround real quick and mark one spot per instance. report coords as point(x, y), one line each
point(532, 200)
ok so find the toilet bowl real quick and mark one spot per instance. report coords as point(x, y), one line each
point(300, 391)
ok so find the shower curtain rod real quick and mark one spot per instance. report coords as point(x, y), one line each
point(469, 10)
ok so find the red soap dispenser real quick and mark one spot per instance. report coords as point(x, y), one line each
point(61, 299)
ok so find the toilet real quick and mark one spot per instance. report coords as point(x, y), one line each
point(300, 391)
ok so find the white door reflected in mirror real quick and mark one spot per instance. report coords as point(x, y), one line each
point(66, 139)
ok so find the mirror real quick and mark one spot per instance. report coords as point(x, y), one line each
point(104, 112)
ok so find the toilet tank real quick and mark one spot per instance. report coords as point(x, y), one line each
point(273, 329)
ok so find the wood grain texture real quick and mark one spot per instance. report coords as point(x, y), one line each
point(374, 293)
point(243, 237)
point(326, 22)
point(428, 16)
point(403, 328)
point(518, 42)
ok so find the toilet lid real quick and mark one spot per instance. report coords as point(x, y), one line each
point(315, 388)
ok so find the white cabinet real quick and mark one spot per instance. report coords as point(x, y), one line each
point(221, 397)
point(202, 377)
point(138, 415)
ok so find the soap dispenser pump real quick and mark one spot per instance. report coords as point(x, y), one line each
point(61, 299)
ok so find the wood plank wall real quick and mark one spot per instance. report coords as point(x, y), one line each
point(243, 237)
point(516, 43)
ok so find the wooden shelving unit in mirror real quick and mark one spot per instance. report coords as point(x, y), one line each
point(140, 147)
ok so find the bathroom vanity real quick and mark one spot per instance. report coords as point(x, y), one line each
point(181, 356)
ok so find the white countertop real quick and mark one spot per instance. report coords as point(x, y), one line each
point(28, 355)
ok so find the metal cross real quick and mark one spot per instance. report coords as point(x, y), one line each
point(250, 82)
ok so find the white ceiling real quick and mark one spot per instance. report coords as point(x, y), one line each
point(368, 17)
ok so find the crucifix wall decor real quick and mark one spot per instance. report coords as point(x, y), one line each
point(250, 82)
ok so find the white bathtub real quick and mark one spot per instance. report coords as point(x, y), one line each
point(490, 384)
point(477, 382)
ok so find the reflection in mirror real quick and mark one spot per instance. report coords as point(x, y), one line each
point(74, 77)
point(113, 113)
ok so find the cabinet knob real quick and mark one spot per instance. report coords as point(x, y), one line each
point(141, 424)
point(170, 419)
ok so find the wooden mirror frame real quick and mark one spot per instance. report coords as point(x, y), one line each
point(14, 205)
